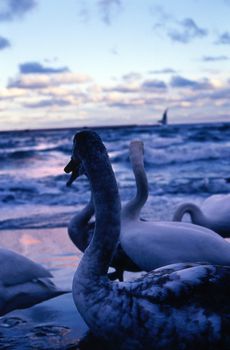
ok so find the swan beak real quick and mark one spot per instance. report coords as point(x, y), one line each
point(71, 167)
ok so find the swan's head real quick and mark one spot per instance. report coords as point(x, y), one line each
point(83, 143)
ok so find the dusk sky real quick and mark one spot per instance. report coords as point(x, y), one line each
point(68, 63)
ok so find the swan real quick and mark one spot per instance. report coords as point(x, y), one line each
point(164, 309)
point(23, 282)
point(171, 242)
point(213, 213)
point(80, 230)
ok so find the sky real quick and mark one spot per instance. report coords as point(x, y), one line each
point(72, 63)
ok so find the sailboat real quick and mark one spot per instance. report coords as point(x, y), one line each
point(164, 119)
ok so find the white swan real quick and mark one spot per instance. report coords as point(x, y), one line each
point(184, 306)
point(23, 282)
point(214, 213)
point(80, 230)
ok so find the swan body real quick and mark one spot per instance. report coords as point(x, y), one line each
point(171, 242)
point(213, 213)
point(23, 283)
point(164, 309)
point(80, 230)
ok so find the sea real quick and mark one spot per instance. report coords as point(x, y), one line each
point(182, 162)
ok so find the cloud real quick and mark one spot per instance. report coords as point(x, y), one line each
point(131, 76)
point(39, 81)
point(224, 38)
point(10, 9)
point(124, 89)
point(4, 43)
point(188, 30)
point(125, 102)
point(154, 85)
point(48, 103)
point(122, 101)
point(30, 82)
point(163, 71)
point(183, 31)
point(214, 58)
point(181, 82)
point(9, 94)
point(108, 9)
point(221, 94)
point(163, 17)
point(129, 86)
point(38, 68)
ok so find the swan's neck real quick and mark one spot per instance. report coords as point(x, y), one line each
point(197, 216)
point(132, 209)
point(98, 255)
point(78, 223)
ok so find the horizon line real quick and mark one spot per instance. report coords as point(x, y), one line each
point(112, 126)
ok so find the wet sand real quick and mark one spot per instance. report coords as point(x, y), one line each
point(53, 324)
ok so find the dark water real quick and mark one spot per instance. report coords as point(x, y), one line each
point(183, 162)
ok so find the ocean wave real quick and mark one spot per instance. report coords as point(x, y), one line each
point(49, 210)
point(37, 221)
point(21, 154)
point(209, 133)
point(186, 153)
point(197, 186)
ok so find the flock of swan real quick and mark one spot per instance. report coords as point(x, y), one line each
point(182, 301)
point(182, 304)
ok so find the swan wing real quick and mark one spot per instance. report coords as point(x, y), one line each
point(162, 301)
point(178, 283)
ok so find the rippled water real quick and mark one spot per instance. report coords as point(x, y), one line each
point(183, 162)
